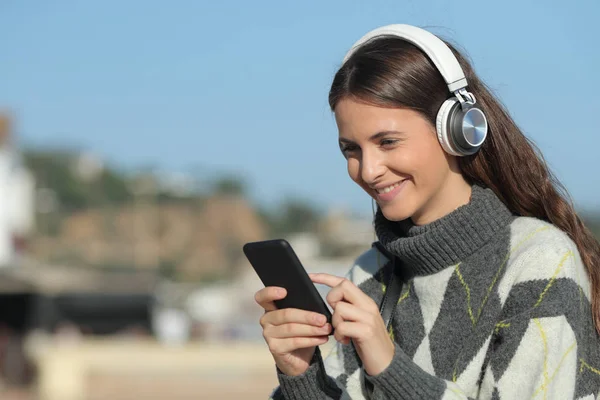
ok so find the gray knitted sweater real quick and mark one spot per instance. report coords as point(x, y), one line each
point(493, 307)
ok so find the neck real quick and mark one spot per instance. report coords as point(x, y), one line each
point(455, 193)
point(429, 248)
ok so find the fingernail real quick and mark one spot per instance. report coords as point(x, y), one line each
point(320, 319)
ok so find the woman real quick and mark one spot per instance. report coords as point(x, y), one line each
point(501, 280)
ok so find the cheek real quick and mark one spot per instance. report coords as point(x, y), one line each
point(433, 168)
point(405, 162)
point(428, 161)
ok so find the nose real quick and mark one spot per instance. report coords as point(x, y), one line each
point(372, 167)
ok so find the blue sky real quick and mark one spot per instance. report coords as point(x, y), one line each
point(242, 86)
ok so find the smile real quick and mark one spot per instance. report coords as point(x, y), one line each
point(389, 188)
point(388, 193)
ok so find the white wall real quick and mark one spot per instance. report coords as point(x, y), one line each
point(17, 204)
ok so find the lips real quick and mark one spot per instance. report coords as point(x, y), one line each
point(388, 189)
point(388, 193)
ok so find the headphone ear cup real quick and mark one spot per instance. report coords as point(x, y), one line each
point(448, 108)
point(467, 130)
point(461, 133)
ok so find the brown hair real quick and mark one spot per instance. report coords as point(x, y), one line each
point(391, 72)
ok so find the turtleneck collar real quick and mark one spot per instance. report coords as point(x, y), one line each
point(430, 248)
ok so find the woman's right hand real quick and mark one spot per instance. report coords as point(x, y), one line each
point(291, 334)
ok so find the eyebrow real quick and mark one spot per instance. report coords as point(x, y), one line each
point(374, 137)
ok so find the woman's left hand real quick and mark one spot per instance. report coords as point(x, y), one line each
point(356, 317)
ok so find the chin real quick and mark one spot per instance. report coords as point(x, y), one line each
point(395, 213)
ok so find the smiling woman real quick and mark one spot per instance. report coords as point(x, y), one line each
point(394, 155)
point(501, 279)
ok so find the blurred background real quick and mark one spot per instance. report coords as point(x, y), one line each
point(142, 143)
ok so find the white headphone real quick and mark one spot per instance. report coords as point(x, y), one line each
point(461, 126)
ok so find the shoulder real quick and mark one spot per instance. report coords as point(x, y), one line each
point(540, 251)
point(528, 232)
point(367, 265)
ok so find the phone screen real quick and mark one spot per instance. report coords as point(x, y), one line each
point(277, 264)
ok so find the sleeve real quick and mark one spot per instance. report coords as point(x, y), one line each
point(312, 384)
point(403, 379)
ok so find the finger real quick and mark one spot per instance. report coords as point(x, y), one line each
point(335, 296)
point(336, 317)
point(345, 311)
point(296, 330)
point(347, 291)
point(337, 282)
point(353, 330)
point(266, 297)
point(337, 320)
point(295, 315)
point(282, 346)
point(326, 279)
point(341, 338)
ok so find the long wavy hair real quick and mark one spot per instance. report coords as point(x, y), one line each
point(391, 72)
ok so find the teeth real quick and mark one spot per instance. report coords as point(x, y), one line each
point(388, 189)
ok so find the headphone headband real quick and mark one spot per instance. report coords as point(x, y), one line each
point(434, 47)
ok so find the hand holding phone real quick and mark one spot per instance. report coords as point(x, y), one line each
point(277, 264)
point(296, 319)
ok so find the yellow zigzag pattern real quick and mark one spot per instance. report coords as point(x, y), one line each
point(493, 283)
point(547, 381)
point(585, 365)
point(551, 282)
point(545, 343)
point(405, 295)
point(502, 324)
point(468, 290)
point(456, 390)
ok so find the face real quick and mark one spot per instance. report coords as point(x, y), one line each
point(394, 155)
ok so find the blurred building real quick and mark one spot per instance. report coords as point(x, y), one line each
point(17, 192)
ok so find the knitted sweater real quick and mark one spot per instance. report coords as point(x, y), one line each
point(493, 306)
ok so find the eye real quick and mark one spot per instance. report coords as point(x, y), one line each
point(348, 148)
point(388, 142)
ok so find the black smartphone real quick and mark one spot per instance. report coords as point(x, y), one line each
point(277, 264)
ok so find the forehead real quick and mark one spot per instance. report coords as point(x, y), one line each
point(357, 119)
